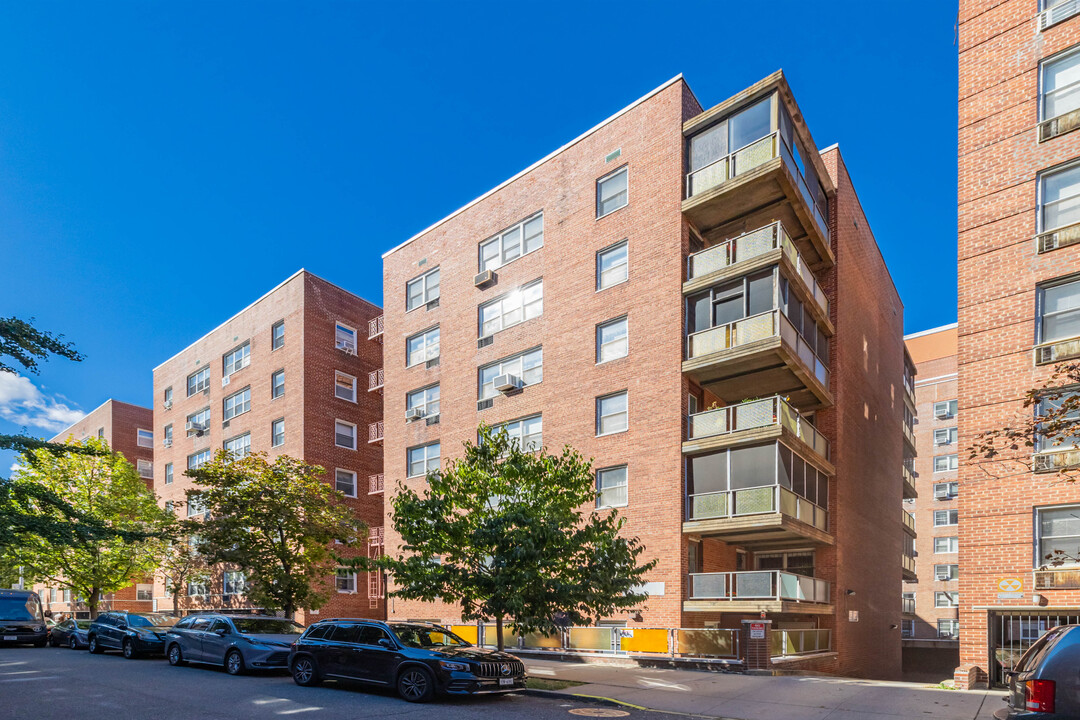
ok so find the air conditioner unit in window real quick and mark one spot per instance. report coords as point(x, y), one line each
point(941, 413)
point(225, 381)
point(941, 494)
point(507, 383)
point(943, 576)
point(194, 427)
point(481, 279)
point(167, 443)
point(168, 404)
point(414, 414)
point(945, 635)
point(346, 346)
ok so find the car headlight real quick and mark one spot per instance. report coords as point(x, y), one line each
point(464, 667)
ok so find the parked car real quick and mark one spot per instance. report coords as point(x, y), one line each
point(235, 642)
point(21, 619)
point(133, 634)
point(71, 633)
point(419, 659)
point(1044, 683)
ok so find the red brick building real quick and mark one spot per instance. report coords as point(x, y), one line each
point(930, 625)
point(694, 299)
point(1018, 264)
point(129, 430)
point(294, 373)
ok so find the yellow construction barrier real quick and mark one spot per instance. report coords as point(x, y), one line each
point(468, 633)
point(646, 640)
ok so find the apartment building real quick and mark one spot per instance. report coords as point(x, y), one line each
point(1019, 287)
point(694, 299)
point(930, 624)
point(129, 430)
point(294, 373)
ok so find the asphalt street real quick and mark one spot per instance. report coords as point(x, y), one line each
point(46, 683)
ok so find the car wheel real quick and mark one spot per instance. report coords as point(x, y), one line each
point(234, 663)
point(94, 647)
point(176, 657)
point(416, 684)
point(305, 672)
point(129, 650)
point(73, 643)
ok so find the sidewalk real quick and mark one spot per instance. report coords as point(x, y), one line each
point(752, 697)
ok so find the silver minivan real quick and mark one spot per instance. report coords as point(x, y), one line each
point(234, 642)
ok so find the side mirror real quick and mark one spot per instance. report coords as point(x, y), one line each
point(386, 643)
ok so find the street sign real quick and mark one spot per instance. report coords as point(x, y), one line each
point(1010, 588)
point(757, 631)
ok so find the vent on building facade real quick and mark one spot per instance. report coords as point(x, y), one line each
point(1057, 579)
point(1062, 237)
point(434, 362)
point(433, 420)
point(1052, 461)
point(485, 341)
point(484, 278)
point(433, 304)
point(484, 404)
point(1058, 13)
point(1057, 351)
point(1059, 125)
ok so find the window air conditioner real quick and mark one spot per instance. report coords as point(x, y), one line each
point(481, 279)
point(941, 413)
point(507, 383)
point(941, 493)
point(167, 443)
point(168, 405)
point(346, 346)
point(414, 414)
point(943, 576)
point(225, 381)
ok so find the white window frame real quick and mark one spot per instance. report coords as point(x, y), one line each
point(953, 487)
point(514, 233)
point(950, 409)
point(511, 365)
point(198, 589)
point(355, 436)
point(197, 462)
point(1041, 205)
point(946, 518)
point(238, 442)
point(345, 337)
point(349, 576)
point(953, 569)
point(238, 358)
point(145, 468)
point(202, 417)
point(428, 458)
point(1040, 554)
point(515, 430)
point(1044, 64)
point(601, 490)
point(422, 398)
point(509, 304)
point(274, 394)
point(954, 623)
point(142, 434)
point(624, 170)
point(952, 542)
point(338, 375)
point(600, 416)
point(273, 433)
point(952, 463)
point(195, 507)
point(945, 436)
point(168, 473)
point(338, 472)
point(275, 336)
point(236, 404)
point(238, 585)
point(951, 598)
point(427, 350)
point(623, 340)
point(1040, 320)
point(167, 438)
point(428, 291)
point(198, 381)
point(623, 245)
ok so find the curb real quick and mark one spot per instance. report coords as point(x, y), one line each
point(611, 702)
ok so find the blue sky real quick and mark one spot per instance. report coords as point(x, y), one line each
point(164, 164)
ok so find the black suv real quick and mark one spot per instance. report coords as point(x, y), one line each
point(134, 634)
point(419, 659)
point(21, 619)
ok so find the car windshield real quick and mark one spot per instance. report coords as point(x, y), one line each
point(20, 608)
point(267, 626)
point(420, 636)
point(83, 624)
point(151, 620)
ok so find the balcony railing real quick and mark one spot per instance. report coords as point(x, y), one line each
point(375, 380)
point(909, 520)
point(755, 501)
point(908, 433)
point(800, 642)
point(769, 324)
point(375, 432)
point(757, 414)
point(907, 562)
point(375, 328)
point(375, 484)
point(758, 585)
point(907, 606)
point(750, 245)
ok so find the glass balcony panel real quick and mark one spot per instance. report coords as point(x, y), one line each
point(756, 153)
point(754, 414)
point(753, 585)
point(754, 500)
point(714, 642)
point(709, 423)
point(708, 505)
point(709, 585)
point(590, 638)
point(708, 177)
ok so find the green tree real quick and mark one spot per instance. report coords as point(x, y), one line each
point(181, 562)
point(275, 521)
point(511, 534)
point(104, 488)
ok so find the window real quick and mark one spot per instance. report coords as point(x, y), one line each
point(277, 335)
point(198, 381)
point(744, 127)
point(424, 399)
point(423, 460)
point(345, 482)
point(611, 340)
point(1058, 532)
point(945, 517)
point(611, 487)
point(908, 602)
point(167, 442)
point(611, 266)
point(528, 432)
point(947, 572)
point(946, 490)
point(946, 599)
point(344, 434)
point(238, 359)
point(345, 338)
point(948, 628)
point(344, 386)
point(1059, 198)
point(422, 347)
point(612, 192)
point(277, 384)
point(199, 588)
point(512, 243)
point(945, 436)
point(1063, 417)
point(233, 581)
point(611, 414)
point(169, 505)
point(168, 397)
point(195, 505)
point(1060, 85)
point(101, 432)
point(199, 421)
point(422, 290)
point(527, 367)
point(145, 438)
point(239, 446)
point(946, 544)
point(277, 433)
point(197, 460)
point(1059, 310)
point(514, 307)
point(237, 404)
point(944, 463)
point(346, 581)
point(945, 410)
point(145, 467)
point(168, 473)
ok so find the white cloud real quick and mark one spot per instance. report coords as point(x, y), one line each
point(23, 403)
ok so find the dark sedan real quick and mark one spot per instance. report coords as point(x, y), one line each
point(418, 659)
point(70, 633)
point(235, 642)
point(133, 634)
point(1044, 683)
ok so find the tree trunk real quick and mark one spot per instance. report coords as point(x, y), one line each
point(176, 603)
point(498, 632)
point(92, 602)
point(290, 611)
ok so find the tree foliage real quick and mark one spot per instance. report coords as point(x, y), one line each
point(24, 343)
point(181, 562)
point(123, 523)
point(511, 534)
point(275, 521)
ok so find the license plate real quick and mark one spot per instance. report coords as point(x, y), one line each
point(506, 681)
point(11, 637)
